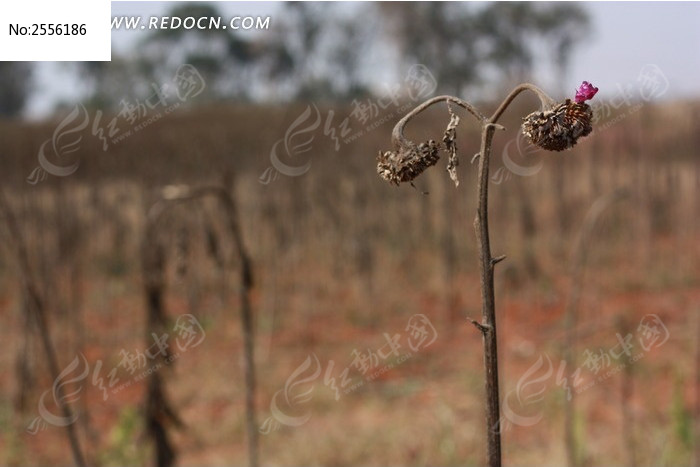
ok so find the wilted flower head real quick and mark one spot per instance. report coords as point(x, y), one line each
point(559, 128)
point(585, 92)
point(407, 162)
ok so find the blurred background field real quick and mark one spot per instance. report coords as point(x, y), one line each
point(340, 258)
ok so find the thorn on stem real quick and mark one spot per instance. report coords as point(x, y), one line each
point(497, 259)
point(476, 156)
point(496, 126)
point(484, 328)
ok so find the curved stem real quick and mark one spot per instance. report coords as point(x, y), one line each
point(488, 303)
point(397, 136)
point(486, 268)
point(547, 101)
point(486, 262)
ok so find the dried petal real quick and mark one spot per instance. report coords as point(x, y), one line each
point(450, 141)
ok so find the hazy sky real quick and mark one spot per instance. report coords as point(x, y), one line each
point(629, 35)
point(626, 37)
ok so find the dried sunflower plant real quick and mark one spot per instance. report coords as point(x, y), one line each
point(555, 127)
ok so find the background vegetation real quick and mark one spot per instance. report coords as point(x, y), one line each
point(340, 257)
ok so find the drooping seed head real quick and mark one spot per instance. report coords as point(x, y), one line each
point(559, 128)
point(409, 162)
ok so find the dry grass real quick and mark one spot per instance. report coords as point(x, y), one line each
point(341, 258)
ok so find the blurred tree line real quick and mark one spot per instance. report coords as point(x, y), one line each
point(335, 51)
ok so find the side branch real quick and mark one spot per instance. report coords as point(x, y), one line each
point(483, 328)
point(397, 137)
point(547, 102)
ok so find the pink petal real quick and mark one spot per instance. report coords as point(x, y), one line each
point(585, 92)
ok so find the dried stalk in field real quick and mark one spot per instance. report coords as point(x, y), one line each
point(578, 264)
point(554, 127)
point(157, 408)
point(153, 261)
point(626, 395)
point(36, 306)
